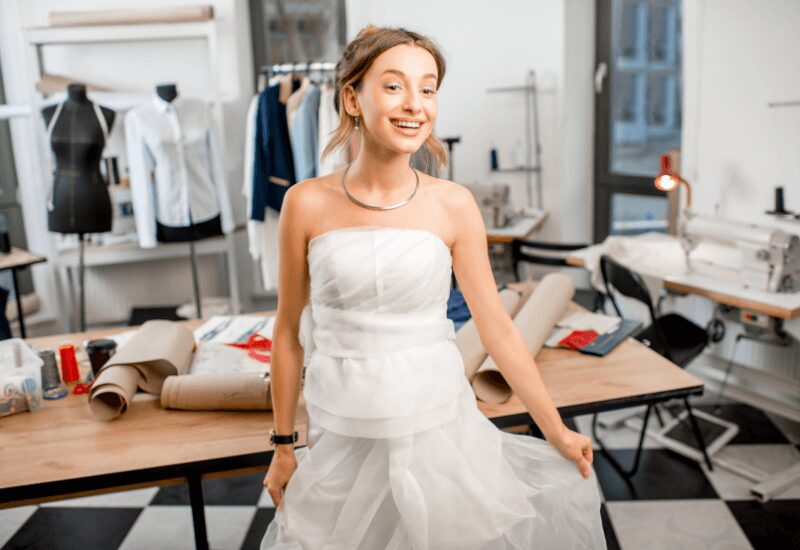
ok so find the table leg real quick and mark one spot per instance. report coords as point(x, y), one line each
point(629, 473)
point(198, 511)
point(20, 318)
point(698, 434)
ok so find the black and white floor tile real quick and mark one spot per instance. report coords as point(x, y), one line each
point(672, 502)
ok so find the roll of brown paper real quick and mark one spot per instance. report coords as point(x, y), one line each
point(217, 392)
point(535, 319)
point(158, 349)
point(183, 14)
point(468, 340)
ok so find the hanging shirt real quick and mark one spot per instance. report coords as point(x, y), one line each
point(294, 102)
point(273, 166)
point(328, 122)
point(262, 235)
point(176, 172)
point(303, 132)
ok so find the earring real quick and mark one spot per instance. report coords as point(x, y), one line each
point(355, 120)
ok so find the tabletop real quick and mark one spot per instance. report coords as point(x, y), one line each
point(63, 441)
point(19, 257)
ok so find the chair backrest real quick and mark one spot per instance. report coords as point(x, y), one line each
point(627, 282)
point(551, 256)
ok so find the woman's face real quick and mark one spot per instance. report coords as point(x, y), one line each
point(396, 102)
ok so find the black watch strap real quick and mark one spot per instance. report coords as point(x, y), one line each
point(276, 439)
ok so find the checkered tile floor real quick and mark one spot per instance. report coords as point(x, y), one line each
point(672, 502)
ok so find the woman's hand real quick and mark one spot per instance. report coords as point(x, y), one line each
point(577, 448)
point(281, 469)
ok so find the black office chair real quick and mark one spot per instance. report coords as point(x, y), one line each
point(555, 255)
point(674, 337)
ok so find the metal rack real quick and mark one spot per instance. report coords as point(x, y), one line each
point(322, 67)
point(533, 149)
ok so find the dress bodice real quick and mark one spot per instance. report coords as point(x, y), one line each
point(378, 344)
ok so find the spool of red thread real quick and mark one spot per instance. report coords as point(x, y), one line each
point(69, 363)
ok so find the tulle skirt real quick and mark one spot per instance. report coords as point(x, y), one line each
point(463, 484)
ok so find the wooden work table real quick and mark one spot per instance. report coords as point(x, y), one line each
point(61, 451)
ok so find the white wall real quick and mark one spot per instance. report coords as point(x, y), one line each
point(494, 44)
point(137, 68)
point(739, 56)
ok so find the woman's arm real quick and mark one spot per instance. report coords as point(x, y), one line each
point(501, 338)
point(293, 287)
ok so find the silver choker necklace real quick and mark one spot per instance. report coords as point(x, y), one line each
point(371, 207)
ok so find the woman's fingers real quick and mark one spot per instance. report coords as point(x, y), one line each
point(277, 496)
point(583, 466)
point(588, 454)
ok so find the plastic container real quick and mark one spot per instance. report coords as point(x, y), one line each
point(20, 378)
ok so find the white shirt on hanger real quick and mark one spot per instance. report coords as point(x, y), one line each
point(176, 171)
point(328, 123)
point(262, 237)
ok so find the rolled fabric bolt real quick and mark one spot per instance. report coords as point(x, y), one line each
point(217, 392)
point(69, 363)
point(468, 340)
point(535, 320)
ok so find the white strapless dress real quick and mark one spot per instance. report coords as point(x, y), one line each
point(399, 456)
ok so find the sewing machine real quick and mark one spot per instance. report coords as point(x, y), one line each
point(493, 200)
point(755, 256)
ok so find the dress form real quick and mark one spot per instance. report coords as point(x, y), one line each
point(78, 130)
point(80, 199)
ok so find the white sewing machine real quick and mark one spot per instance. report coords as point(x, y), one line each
point(755, 256)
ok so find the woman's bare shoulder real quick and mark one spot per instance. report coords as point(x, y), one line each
point(451, 194)
point(314, 193)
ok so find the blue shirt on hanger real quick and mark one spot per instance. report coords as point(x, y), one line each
point(304, 136)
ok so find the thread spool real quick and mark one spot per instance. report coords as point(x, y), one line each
point(50, 376)
point(51, 380)
point(69, 363)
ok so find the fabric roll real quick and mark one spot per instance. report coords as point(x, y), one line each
point(535, 320)
point(183, 14)
point(217, 392)
point(468, 340)
point(158, 349)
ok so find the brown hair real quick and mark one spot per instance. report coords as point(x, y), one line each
point(357, 58)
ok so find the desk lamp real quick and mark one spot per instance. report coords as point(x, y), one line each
point(668, 179)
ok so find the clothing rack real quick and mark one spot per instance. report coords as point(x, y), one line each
point(268, 71)
point(285, 68)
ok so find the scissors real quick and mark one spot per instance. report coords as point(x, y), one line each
point(80, 387)
point(256, 343)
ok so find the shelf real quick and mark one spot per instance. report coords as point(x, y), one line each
point(520, 169)
point(11, 111)
point(39, 36)
point(128, 252)
point(512, 89)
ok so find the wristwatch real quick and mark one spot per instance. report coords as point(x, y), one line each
point(275, 439)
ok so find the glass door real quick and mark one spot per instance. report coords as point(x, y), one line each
point(638, 112)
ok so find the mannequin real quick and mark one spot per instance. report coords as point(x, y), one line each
point(194, 231)
point(80, 199)
point(78, 130)
point(169, 92)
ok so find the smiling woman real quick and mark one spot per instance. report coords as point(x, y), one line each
point(399, 456)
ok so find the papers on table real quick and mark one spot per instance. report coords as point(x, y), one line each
point(214, 356)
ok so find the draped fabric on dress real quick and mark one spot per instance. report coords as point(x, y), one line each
point(399, 456)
